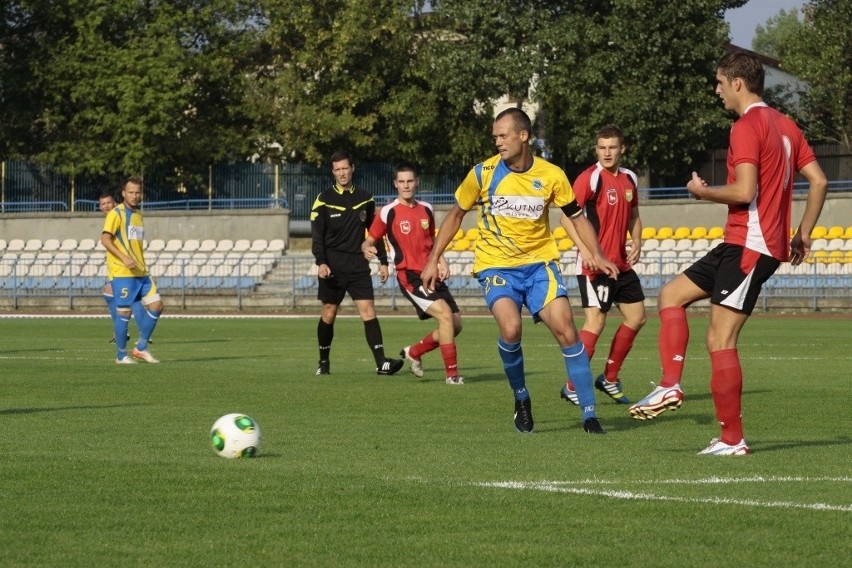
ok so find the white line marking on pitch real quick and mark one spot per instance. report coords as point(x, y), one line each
point(571, 487)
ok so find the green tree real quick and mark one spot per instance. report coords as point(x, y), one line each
point(776, 37)
point(821, 55)
point(124, 86)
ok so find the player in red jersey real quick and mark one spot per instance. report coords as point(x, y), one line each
point(609, 197)
point(410, 227)
point(766, 149)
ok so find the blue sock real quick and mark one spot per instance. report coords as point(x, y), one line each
point(138, 314)
point(513, 364)
point(146, 328)
point(122, 322)
point(110, 302)
point(578, 368)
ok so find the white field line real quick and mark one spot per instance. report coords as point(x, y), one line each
point(574, 488)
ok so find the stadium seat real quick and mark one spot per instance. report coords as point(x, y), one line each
point(683, 244)
point(191, 245)
point(819, 232)
point(847, 234)
point(667, 244)
point(172, 245)
point(664, 233)
point(565, 244)
point(241, 245)
point(559, 233)
point(16, 245)
point(700, 246)
point(649, 233)
point(716, 233)
point(471, 234)
point(259, 245)
point(834, 232)
point(156, 245)
point(50, 245)
point(2, 245)
point(276, 246)
point(207, 245)
point(819, 244)
point(698, 233)
point(225, 245)
point(650, 244)
point(33, 245)
point(835, 244)
point(681, 233)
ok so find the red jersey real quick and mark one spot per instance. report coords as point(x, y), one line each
point(410, 231)
point(608, 201)
point(774, 144)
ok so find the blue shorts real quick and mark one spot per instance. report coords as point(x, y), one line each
point(531, 285)
point(131, 289)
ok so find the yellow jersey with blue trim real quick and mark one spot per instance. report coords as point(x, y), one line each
point(128, 234)
point(514, 224)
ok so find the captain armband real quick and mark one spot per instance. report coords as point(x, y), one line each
point(572, 209)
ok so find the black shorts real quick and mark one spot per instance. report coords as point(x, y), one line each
point(733, 275)
point(412, 288)
point(602, 291)
point(333, 289)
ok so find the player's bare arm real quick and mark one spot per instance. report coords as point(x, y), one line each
point(106, 240)
point(635, 227)
point(595, 260)
point(451, 223)
point(742, 191)
point(800, 245)
point(368, 248)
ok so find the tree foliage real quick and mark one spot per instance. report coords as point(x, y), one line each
point(821, 55)
point(775, 37)
point(120, 86)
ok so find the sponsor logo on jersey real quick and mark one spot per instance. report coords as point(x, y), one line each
point(135, 233)
point(517, 206)
point(405, 227)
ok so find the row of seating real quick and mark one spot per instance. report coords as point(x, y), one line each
point(678, 238)
point(276, 246)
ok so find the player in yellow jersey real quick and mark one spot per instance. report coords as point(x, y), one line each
point(516, 256)
point(122, 237)
point(106, 203)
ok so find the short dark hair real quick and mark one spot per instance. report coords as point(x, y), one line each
point(745, 66)
point(405, 167)
point(520, 118)
point(106, 193)
point(610, 131)
point(136, 180)
point(341, 155)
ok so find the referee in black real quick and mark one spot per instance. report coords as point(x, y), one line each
point(339, 218)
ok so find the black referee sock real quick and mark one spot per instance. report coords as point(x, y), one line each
point(325, 334)
point(374, 339)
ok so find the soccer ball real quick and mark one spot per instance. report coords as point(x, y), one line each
point(235, 436)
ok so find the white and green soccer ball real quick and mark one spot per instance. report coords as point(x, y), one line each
point(235, 436)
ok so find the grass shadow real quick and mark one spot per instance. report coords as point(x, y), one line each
point(13, 411)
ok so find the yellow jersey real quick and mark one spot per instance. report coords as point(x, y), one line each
point(514, 225)
point(128, 234)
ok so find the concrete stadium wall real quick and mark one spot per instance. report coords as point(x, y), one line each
point(183, 225)
point(275, 223)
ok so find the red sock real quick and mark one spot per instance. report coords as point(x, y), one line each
point(423, 347)
point(451, 365)
point(674, 336)
point(622, 343)
point(726, 384)
point(589, 340)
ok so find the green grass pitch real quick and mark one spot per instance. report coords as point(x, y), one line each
point(109, 465)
